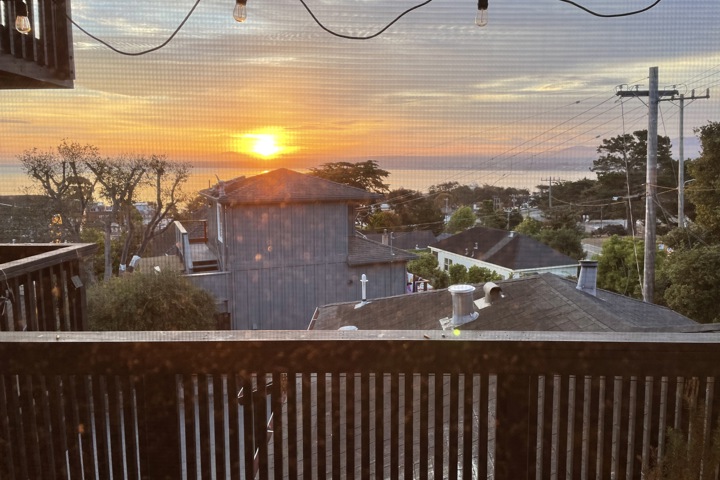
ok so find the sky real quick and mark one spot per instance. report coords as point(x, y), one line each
point(534, 89)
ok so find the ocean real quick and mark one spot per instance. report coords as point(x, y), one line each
point(13, 181)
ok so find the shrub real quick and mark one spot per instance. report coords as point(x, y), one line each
point(148, 301)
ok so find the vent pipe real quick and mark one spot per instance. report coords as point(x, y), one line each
point(462, 302)
point(587, 279)
point(493, 293)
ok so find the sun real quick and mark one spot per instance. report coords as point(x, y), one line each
point(264, 144)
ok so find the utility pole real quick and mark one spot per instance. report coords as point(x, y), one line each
point(550, 180)
point(681, 159)
point(653, 95)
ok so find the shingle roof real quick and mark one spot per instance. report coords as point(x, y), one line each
point(408, 240)
point(283, 185)
point(365, 252)
point(507, 249)
point(543, 302)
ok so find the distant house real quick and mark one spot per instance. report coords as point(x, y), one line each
point(544, 302)
point(415, 240)
point(286, 242)
point(509, 254)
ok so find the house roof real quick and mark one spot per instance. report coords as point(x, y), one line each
point(362, 251)
point(283, 185)
point(506, 249)
point(544, 302)
point(407, 240)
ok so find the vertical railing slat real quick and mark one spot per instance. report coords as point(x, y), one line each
point(249, 436)
point(292, 423)
point(276, 410)
point(408, 439)
point(453, 444)
point(365, 425)
point(350, 425)
point(394, 426)
point(467, 431)
point(423, 434)
point(379, 425)
point(306, 412)
point(322, 432)
point(335, 409)
point(439, 424)
point(7, 463)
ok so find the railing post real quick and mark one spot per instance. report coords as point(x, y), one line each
point(159, 432)
point(514, 432)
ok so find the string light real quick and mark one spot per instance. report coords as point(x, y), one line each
point(240, 14)
point(481, 19)
point(22, 22)
point(240, 11)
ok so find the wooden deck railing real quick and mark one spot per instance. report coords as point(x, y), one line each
point(43, 58)
point(348, 404)
point(41, 287)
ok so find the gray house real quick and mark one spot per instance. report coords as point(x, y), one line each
point(286, 244)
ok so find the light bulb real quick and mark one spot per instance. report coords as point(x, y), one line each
point(481, 19)
point(240, 12)
point(22, 22)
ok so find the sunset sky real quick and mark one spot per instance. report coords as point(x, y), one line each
point(433, 89)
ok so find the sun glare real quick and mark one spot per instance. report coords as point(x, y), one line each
point(265, 145)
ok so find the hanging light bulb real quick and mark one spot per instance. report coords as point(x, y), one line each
point(481, 19)
point(240, 12)
point(22, 22)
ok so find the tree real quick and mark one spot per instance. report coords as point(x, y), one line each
point(621, 171)
point(481, 275)
point(693, 282)
point(118, 179)
point(619, 266)
point(416, 210)
point(461, 220)
point(530, 227)
point(567, 241)
point(379, 221)
point(366, 175)
point(458, 274)
point(704, 191)
point(148, 301)
point(63, 177)
point(424, 266)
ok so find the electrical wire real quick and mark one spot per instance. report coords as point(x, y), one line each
point(610, 15)
point(143, 52)
point(368, 37)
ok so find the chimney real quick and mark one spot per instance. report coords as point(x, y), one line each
point(463, 308)
point(587, 279)
point(385, 238)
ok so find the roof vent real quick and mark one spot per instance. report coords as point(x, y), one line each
point(587, 279)
point(493, 293)
point(463, 309)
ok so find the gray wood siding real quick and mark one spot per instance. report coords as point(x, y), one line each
point(285, 298)
point(271, 236)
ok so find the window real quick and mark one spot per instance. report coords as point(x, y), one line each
point(448, 264)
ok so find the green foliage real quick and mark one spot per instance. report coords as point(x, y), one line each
point(94, 235)
point(481, 275)
point(379, 221)
point(704, 192)
point(416, 210)
point(689, 237)
point(565, 240)
point(458, 274)
point(138, 301)
point(530, 227)
point(424, 266)
point(620, 264)
point(693, 279)
point(691, 454)
point(366, 175)
point(441, 279)
point(461, 220)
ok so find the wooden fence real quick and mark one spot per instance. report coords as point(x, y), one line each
point(41, 287)
point(306, 404)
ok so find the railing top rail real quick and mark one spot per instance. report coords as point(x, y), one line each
point(54, 255)
point(180, 228)
point(534, 353)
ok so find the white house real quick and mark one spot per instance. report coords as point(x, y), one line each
point(510, 254)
